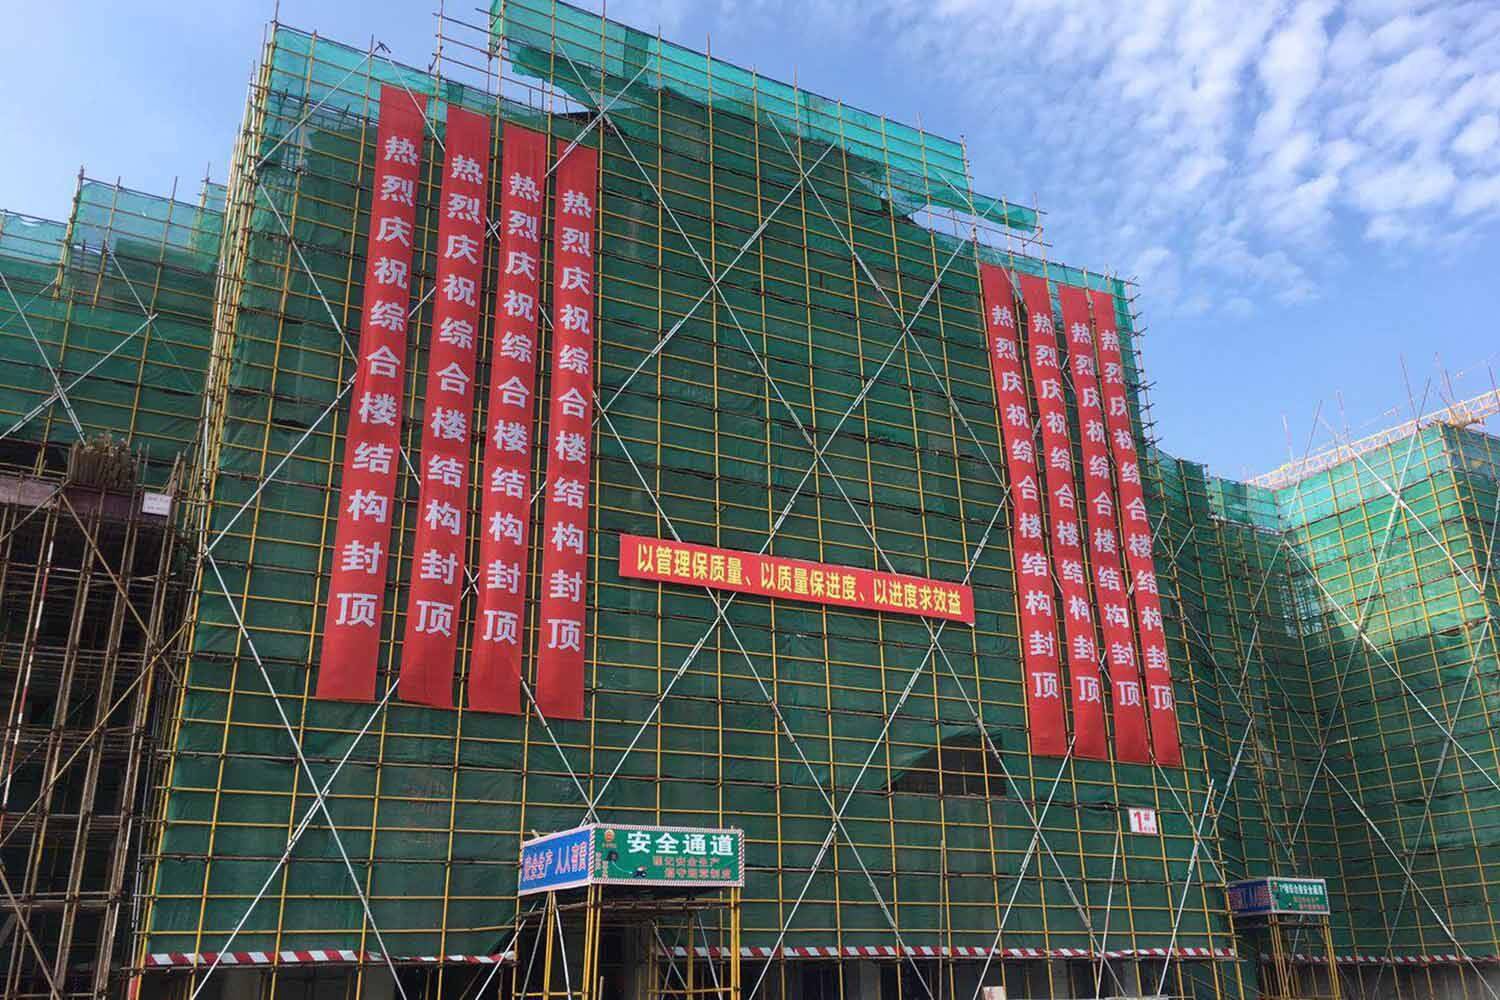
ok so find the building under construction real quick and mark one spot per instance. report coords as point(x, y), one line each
point(798, 360)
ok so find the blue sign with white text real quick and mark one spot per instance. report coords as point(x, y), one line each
point(1250, 898)
point(557, 861)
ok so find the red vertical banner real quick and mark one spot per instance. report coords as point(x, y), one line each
point(1099, 506)
point(1137, 531)
point(1056, 464)
point(1046, 722)
point(430, 643)
point(505, 511)
point(565, 539)
point(372, 440)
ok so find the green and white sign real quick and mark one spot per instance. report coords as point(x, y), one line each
point(668, 855)
point(630, 854)
point(1276, 895)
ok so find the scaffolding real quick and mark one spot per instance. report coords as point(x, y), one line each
point(780, 338)
point(91, 598)
point(103, 325)
point(1463, 413)
point(790, 359)
point(1398, 548)
point(592, 944)
point(103, 338)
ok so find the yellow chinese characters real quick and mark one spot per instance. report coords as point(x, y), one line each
point(676, 563)
point(680, 564)
point(669, 562)
point(911, 596)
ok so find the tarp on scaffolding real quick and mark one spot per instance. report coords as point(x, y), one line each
point(868, 709)
point(787, 357)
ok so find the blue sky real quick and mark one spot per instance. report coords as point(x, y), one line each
point(1307, 192)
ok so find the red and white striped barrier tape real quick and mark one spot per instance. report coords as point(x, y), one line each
point(316, 956)
point(1439, 959)
point(331, 956)
point(959, 951)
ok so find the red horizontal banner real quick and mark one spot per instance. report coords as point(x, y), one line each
point(666, 561)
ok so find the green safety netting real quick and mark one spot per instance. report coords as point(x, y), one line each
point(432, 804)
point(1327, 638)
point(78, 299)
point(597, 60)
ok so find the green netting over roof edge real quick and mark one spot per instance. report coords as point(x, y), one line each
point(1061, 274)
point(83, 311)
point(578, 51)
point(105, 212)
point(331, 78)
point(215, 196)
point(23, 237)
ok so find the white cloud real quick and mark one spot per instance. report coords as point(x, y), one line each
point(1222, 149)
point(1152, 262)
point(1478, 137)
point(1339, 153)
point(668, 15)
point(1291, 68)
point(1395, 35)
point(1479, 196)
point(1394, 187)
point(1196, 169)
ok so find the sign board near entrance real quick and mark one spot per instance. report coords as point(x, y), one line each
point(669, 856)
point(626, 854)
point(560, 860)
point(1262, 896)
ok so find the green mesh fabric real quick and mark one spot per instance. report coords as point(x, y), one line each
point(431, 805)
point(79, 295)
point(586, 55)
point(1326, 639)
